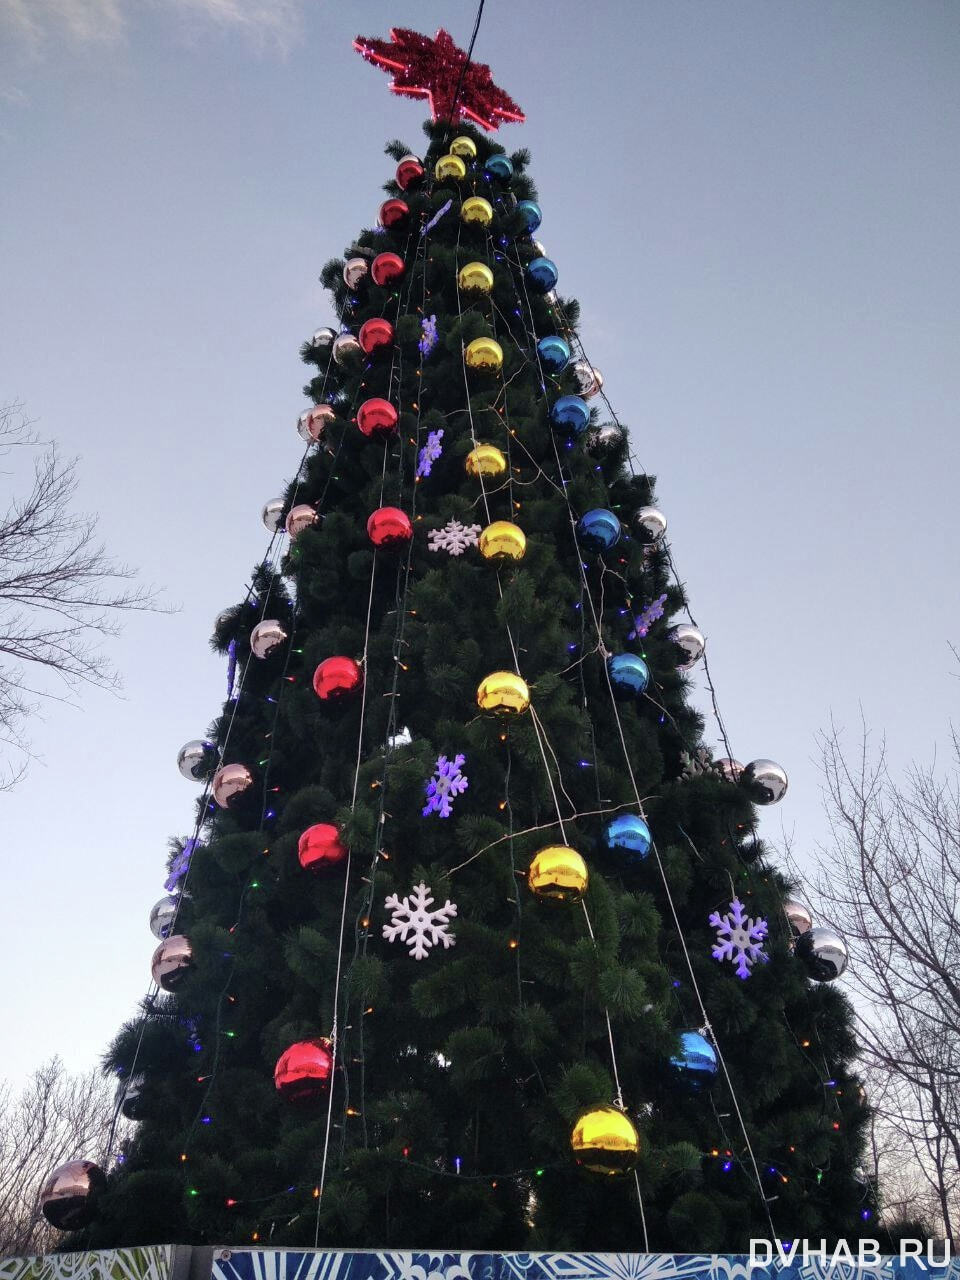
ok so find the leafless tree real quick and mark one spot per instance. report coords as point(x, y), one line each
point(890, 881)
point(57, 1117)
point(60, 593)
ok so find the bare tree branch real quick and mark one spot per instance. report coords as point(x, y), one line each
point(890, 882)
point(60, 593)
point(57, 1117)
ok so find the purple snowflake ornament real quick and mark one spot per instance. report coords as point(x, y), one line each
point(739, 938)
point(446, 783)
point(430, 452)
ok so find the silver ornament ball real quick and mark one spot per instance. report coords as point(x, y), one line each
point(765, 781)
point(314, 421)
point(266, 637)
point(604, 439)
point(648, 525)
point(68, 1198)
point(272, 514)
point(729, 770)
point(823, 953)
point(130, 1097)
point(690, 643)
point(346, 347)
point(323, 338)
point(163, 914)
point(196, 760)
point(354, 269)
point(589, 380)
point(799, 916)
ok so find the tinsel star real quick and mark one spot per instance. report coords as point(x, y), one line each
point(428, 336)
point(180, 866)
point(432, 69)
point(646, 618)
point(430, 452)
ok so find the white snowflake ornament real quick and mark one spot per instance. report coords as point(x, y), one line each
point(413, 922)
point(739, 938)
point(454, 537)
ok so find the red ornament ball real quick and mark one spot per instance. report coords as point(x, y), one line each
point(389, 527)
point(375, 335)
point(337, 678)
point(387, 267)
point(320, 846)
point(377, 417)
point(409, 172)
point(303, 1071)
point(393, 213)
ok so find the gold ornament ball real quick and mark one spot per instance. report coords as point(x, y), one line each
point(605, 1141)
point(485, 460)
point(484, 353)
point(463, 146)
point(477, 211)
point(558, 872)
point(503, 540)
point(475, 277)
point(504, 692)
point(449, 167)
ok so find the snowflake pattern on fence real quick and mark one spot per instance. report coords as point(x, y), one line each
point(445, 785)
point(430, 452)
point(413, 922)
point(454, 537)
point(739, 938)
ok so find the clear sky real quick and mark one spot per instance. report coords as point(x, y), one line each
point(756, 203)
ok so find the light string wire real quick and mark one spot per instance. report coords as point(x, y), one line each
point(362, 922)
point(270, 560)
point(211, 1076)
point(574, 333)
point(400, 603)
point(334, 1033)
point(633, 782)
point(541, 737)
point(535, 720)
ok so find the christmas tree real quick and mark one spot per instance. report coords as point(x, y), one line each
point(474, 945)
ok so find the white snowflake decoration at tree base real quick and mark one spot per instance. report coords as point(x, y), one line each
point(414, 923)
point(739, 938)
point(454, 537)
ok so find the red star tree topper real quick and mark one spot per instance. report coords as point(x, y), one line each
point(431, 69)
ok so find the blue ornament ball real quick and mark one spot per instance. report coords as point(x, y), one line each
point(696, 1063)
point(543, 274)
point(531, 213)
point(554, 352)
point(571, 414)
point(599, 530)
point(628, 836)
point(628, 675)
point(499, 166)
